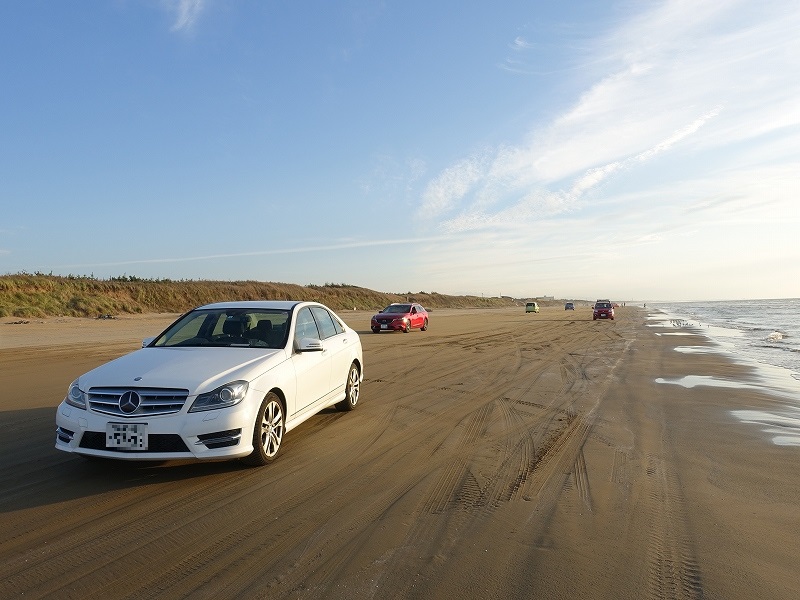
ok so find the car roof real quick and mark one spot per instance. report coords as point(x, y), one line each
point(275, 304)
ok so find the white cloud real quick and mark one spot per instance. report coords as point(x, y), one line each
point(687, 136)
point(521, 44)
point(188, 11)
point(674, 66)
point(540, 203)
point(342, 245)
point(452, 185)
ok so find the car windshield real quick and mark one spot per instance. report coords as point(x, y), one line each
point(397, 308)
point(603, 305)
point(232, 327)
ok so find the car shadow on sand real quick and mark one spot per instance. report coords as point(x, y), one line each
point(33, 473)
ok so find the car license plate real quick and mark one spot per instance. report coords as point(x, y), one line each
point(132, 436)
point(384, 326)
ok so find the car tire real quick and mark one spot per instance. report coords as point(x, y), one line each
point(425, 325)
point(407, 328)
point(352, 390)
point(268, 432)
point(376, 330)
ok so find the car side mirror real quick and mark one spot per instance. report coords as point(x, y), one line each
point(147, 341)
point(310, 345)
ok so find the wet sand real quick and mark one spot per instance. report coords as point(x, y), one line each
point(497, 455)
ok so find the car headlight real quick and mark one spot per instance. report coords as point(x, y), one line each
point(75, 396)
point(228, 395)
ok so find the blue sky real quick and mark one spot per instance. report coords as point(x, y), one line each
point(634, 150)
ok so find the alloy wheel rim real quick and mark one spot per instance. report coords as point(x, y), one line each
point(354, 387)
point(272, 428)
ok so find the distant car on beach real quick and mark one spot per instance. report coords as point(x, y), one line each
point(225, 380)
point(400, 317)
point(569, 306)
point(603, 310)
point(531, 307)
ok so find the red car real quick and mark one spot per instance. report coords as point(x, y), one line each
point(400, 317)
point(603, 310)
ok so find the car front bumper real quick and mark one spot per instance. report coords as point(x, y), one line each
point(208, 435)
point(398, 325)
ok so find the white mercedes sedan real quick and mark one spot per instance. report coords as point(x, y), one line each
point(224, 381)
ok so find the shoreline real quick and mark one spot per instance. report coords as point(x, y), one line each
point(781, 422)
point(764, 337)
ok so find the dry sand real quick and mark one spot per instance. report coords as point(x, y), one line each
point(497, 455)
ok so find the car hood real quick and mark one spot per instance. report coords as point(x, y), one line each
point(195, 369)
point(391, 315)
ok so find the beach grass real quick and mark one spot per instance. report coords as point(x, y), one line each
point(38, 295)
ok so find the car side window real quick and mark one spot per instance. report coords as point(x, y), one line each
point(305, 326)
point(338, 324)
point(324, 322)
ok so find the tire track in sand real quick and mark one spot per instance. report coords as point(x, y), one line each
point(674, 571)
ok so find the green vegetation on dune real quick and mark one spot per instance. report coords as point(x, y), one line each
point(38, 295)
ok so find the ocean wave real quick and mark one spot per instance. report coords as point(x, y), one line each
point(764, 331)
point(780, 348)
